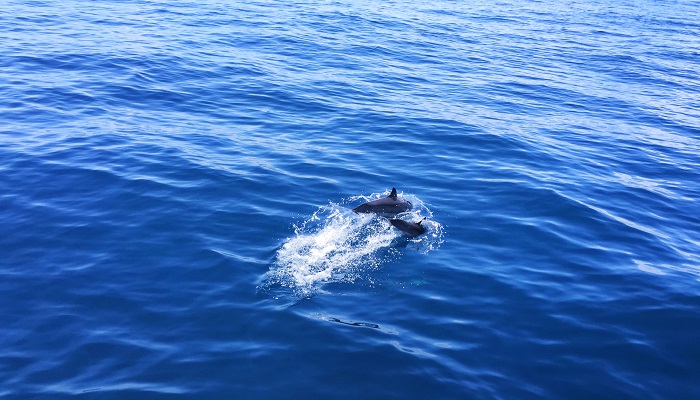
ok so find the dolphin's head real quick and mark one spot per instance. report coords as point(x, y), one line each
point(363, 208)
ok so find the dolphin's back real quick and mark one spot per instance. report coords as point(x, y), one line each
point(390, 205)
point(383, 206)
point(411, 229)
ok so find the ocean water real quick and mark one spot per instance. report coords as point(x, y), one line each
point(177, 179)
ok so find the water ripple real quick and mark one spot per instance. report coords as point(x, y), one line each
point(174, 222)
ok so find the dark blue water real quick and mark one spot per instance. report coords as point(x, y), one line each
point(176, 180)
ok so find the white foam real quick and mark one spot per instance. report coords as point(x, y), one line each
point(338, 245)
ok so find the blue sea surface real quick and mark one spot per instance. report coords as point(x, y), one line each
point(177, 180)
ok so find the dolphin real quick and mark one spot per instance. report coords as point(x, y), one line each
point(386, 207)
point(410, 229)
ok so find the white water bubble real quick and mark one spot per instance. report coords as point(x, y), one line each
point(337, 245)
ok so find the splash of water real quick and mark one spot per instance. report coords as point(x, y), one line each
point(338, 245)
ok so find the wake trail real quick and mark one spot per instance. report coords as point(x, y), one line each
point(340, 246)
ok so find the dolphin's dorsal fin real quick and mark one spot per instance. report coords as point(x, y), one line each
point(421, 221)
point(393, 194)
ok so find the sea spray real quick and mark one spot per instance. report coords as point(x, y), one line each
point(336, 245)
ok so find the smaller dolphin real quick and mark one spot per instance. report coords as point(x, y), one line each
point(386, 207)
point(410, 229)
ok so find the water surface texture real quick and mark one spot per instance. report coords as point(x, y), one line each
point(177, 180)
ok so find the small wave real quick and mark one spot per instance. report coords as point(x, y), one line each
point(338, 245)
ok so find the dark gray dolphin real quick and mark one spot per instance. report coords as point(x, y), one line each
point(386, 207)
point(410, 229)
